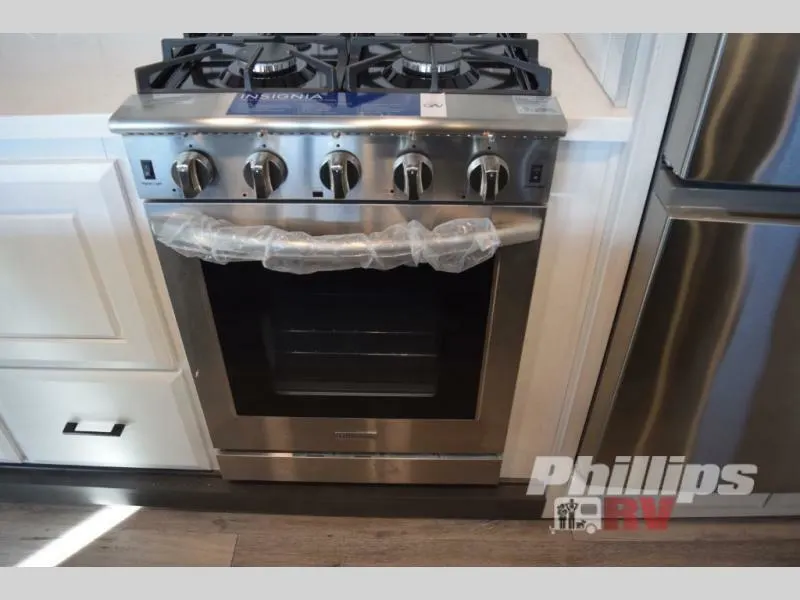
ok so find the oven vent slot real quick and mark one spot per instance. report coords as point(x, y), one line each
point(371, 455)
point(355, 435)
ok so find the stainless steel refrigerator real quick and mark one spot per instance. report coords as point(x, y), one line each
point(704, 358)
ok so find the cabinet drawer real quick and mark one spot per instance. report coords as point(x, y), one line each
point(102, 418)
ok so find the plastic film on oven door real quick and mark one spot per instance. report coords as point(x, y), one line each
point(452, 246)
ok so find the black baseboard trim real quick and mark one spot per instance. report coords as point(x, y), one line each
point(208, 492)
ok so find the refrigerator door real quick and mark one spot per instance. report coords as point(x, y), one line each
point(704, 361)
point(736, 116)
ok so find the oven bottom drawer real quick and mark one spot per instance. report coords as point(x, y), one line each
point(361, 468)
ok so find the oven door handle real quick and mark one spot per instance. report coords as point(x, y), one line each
point(451, 246)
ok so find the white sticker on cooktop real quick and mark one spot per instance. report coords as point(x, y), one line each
point(536, 105)
point(155, 99)
point(432, 105)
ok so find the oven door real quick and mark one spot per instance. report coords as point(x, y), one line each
point(406, 360)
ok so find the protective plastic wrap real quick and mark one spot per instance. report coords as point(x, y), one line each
point(453, 246)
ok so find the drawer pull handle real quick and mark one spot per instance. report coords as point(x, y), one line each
point(106, 429)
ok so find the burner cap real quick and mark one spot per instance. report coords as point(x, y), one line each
point(274, 58)
point(417, 58)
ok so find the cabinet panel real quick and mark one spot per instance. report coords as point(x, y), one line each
point(8, 452)
point(57, 302)
point(101, 418)
point(75, 290)
point(611, 57)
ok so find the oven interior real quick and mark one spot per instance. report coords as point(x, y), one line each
point(401, 344)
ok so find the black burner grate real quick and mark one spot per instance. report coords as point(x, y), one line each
point(226, 62)
point(475, 63)
point(487, 63)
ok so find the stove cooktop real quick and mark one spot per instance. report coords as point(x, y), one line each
point(481, 63)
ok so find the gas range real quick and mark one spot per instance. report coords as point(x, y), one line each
point(462, 118)
point(367, 209)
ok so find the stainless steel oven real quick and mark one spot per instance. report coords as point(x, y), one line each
point(301, 375)
point(352, 290)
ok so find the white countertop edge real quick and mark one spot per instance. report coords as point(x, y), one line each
point(599, 129)
point(90, 126)
point(54, 127)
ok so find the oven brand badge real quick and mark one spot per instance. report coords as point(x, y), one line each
point(255, 97)
point(634, 490)
point(252, 99)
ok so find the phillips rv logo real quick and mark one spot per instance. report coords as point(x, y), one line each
point(634, 489)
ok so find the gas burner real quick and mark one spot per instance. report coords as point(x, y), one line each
point(472, 63)
point(277, 71)
point(419, 62)
point(423, 59)
point(268, 59)
point(246, 62)
point(271, 65)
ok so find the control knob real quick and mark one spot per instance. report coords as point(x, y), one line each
point(487, 175)
point(264, 172)
point(413, 174)
point(340, 173)
point(193, 171)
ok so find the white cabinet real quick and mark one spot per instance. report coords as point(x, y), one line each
point(88, 374)
point(102, 418)
point(74, 287)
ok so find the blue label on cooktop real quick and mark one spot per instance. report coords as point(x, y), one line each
point(332, 104)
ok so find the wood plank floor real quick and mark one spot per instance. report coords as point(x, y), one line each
point(154, 537)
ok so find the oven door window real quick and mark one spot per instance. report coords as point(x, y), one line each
point(401, 344)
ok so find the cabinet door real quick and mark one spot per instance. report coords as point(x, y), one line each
point(102, 418)
point(74, 289)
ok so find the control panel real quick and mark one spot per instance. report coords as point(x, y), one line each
point(260, 167)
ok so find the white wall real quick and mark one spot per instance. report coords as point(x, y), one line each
point(84, 73)
point(54, 54)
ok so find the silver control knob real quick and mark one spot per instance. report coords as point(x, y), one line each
point(340, 173)
point(193, 171)
point(264, 172)
point(413, 174)
point(487, 175)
